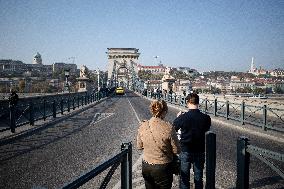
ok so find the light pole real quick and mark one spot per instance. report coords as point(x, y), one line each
point(98, 72)
point(11, 85)
point(67, 74)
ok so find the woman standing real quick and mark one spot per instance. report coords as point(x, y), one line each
point(158, 140)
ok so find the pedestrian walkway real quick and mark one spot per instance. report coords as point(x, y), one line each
point(27, 129)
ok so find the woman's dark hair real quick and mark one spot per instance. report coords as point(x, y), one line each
point(192, 98)
point(158, 107)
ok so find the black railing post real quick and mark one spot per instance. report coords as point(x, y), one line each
point(73, 102)
point(82, 102)
point(242, 164)
point(184, 102)
point(205, 106)
point(44, 109)
point(210, 139)
point(12, 117)
point(32, 119)
point(68, 104)
point(78, 101)
point(86, 98)
point(126, 167)
point(54, 109)
point(227, 110)
point(61, 106)
point(215, 107)
point(243, 112)
point(264, 117)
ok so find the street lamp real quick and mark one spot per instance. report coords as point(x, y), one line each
point(67, 74)
point(98, 72)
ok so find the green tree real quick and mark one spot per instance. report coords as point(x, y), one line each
point(259, 91)
point(278, 90)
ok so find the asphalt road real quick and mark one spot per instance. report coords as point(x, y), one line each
point(63, 152)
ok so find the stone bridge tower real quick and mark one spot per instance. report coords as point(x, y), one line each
point(122, 66)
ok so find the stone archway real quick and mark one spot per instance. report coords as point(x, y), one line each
point(122, 65)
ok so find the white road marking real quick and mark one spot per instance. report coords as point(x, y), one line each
point(135, 166)
point(100, 116)
point(139, 160)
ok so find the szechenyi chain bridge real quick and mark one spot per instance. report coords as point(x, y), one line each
point(88, 138)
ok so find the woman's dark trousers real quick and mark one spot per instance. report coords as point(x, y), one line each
point(157, 176)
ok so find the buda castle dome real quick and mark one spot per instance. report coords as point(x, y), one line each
point(37, 59)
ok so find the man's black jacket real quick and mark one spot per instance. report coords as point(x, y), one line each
point(193, 125)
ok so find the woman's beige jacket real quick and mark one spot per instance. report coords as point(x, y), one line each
point(159, 141)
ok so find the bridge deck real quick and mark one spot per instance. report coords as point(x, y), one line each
point(62, 151)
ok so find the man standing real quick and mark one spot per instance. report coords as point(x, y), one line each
point(192, 125)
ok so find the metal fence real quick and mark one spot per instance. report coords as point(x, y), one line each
point(262, 116)
point(124, 158)
point(244, 151)
point(29, 110)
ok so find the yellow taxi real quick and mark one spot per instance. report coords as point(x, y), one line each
point(119, 91)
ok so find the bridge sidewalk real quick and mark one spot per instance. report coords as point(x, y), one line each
point(27, 129)
point(270, 134)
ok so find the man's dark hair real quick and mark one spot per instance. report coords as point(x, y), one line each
point(192, 98)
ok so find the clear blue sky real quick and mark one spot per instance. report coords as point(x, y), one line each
point(201, 34)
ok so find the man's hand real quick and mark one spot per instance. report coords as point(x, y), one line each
point(178, 114)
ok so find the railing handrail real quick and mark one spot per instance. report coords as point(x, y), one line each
point(119, 158)
point(240, 110)
point(244, 151)
point(265, 152)
point(58, 105)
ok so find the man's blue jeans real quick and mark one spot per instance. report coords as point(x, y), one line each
point(197, 160)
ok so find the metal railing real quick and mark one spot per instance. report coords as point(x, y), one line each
point(124, 158)
point(244, 151)
point(261, 116)
point(29, 110)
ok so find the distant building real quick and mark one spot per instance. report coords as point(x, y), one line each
point(183, 86)
point(54, 82)
point(277, 73)
point(61, 66)
point(200, 85)
point(187, 71)
point(18, 68)
point(160, 69)
point(9, 66)
point(242, 84)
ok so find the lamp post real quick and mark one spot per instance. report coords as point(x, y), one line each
point(67, 74)
point(11, 86)
point(98, 72)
